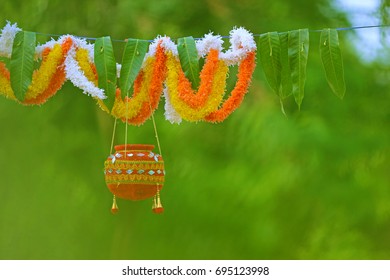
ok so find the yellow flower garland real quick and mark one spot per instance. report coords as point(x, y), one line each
point(213, 101)
point(5, 84)
point(42, 77)
point(83, 60)
point(130, 107)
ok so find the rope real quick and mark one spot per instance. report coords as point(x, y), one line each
point(113, 136)
point(154, 127)
point(155, 132)
point(127, 114)
point(226, 37)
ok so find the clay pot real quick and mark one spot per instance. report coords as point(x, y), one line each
point(134, 172)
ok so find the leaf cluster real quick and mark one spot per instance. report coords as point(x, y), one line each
point(284, 60)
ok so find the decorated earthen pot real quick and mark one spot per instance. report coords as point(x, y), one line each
point(134, 172)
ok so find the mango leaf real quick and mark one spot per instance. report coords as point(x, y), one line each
point(22, 63)
point(133, 56)
point(269, 49)
point(332, 60)
point(285, 83)
point(189, 59)
point(106, 69)
point(298, 51)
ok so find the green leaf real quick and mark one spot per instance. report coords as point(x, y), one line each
point(106, 69)
point(269, 49)
point(332, 60)
point(298, 51)
point(22, 63)
point(189, 59)
point(286, 83)
point(132, 59)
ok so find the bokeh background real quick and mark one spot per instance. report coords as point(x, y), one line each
point(314, 185)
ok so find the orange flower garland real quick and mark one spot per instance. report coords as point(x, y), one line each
point(204, 105)
point(244, 76)
point(155, 88)
point(198, 99)
point(213, 87)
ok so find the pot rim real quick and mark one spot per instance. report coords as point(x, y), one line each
point(129, 147)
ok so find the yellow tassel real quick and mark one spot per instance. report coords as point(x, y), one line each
point(157, 206)
point(114, 208)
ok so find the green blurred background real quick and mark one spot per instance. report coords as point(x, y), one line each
point(314, 185)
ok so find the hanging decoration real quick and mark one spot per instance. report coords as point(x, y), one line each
point(134, 172)
point(173, 70)
point(163, 68)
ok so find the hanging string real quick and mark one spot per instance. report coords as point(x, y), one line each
point(156, 134)
point(355, 27)
point(154, 127)
point(127, 115)
point(113, 136)
point(126, 133)
point(226, 37)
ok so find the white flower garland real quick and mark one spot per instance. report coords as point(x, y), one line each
point(76, 75)
point(241, 42)
point(210, 41)
point(170, 114)
point(7, 37)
